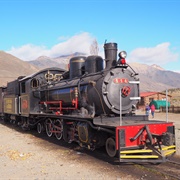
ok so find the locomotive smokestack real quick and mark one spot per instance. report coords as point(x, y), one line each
point(110, 50)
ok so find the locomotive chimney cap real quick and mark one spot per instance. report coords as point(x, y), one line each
point(110, 45)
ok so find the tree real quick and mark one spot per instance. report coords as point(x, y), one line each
point(94, 48)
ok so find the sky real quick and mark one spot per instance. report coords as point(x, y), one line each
point(148, 30)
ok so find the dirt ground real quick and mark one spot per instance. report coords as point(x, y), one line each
point(25, 155)
point(171, 117)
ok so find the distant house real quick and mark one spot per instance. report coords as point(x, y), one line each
point(147, 97)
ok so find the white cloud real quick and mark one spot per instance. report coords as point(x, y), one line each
point(28, 51)
point(77, 43)
point(160, 54)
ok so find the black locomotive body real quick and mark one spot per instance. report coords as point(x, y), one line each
point(92, 104)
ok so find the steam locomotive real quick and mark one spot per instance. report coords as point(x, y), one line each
point(93, 104)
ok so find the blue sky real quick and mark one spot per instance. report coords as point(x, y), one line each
point(149, 30)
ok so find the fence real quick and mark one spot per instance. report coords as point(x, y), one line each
point(171, 109)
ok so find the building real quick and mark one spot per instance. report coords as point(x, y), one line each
point(147, 97)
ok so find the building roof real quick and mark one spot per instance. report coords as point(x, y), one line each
point(146, 94)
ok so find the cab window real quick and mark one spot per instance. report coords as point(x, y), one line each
point(35, 83)
point(23, 87)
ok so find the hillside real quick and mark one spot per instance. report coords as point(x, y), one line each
point(154, 78)
point(12, 67)
point(175, 93)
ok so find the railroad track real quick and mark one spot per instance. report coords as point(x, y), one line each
point(174, 162)
point(168, 170)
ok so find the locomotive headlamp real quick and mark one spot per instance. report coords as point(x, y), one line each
point(122, 54)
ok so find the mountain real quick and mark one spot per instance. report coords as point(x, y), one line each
point(61, 61)
point(152, 78)
point(43, 62)
point(157, 67)
point(155, 78)
point(11, 67)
